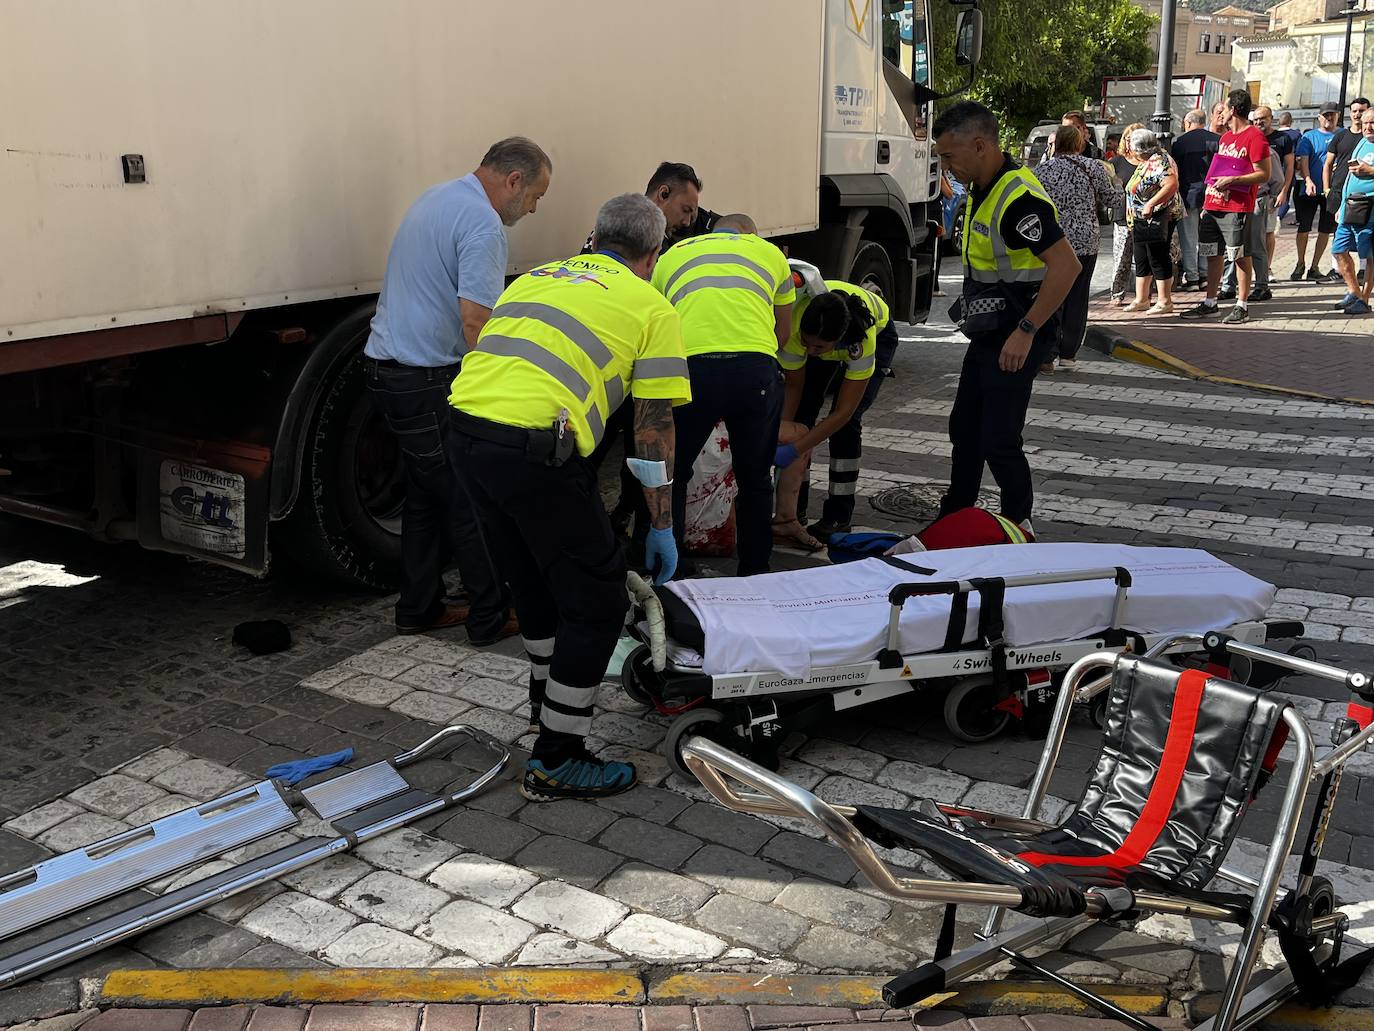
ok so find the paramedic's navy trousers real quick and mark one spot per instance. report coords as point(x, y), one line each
point(550, 535)
point(985, 426)
point(745, 390)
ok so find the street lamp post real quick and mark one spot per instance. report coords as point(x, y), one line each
point(1162, 120)
point(1351, 8)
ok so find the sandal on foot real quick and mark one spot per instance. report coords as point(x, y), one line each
point(791, 532)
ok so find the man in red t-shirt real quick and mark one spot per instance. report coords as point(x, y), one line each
point(1240, 166)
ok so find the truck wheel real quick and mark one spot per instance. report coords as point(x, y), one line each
point(346, 523)
point(872, 270)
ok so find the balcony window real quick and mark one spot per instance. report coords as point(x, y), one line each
point(1256, 57)
point(1332, 50)
point(1204, 43)
point(1221, 45)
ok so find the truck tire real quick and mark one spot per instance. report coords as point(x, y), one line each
point(346, 523)
point(872, 269)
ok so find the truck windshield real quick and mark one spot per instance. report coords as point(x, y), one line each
point(904, 38)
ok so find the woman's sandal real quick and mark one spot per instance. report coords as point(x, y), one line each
point(793, 533)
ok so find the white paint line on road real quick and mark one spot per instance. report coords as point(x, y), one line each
point(1247, 404)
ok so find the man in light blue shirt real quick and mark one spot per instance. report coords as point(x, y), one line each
point(1355, 222)
point(446, 268)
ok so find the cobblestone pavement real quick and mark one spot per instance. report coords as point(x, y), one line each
point(126, 699)
point(1334, 360)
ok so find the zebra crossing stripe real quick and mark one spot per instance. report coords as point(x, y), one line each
point(921, 442)
point(1246, 404)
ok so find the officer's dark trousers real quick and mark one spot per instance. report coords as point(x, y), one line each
point(823, 379)
point(437, 518)
point(552, 538)
point(745, 390)
point(985, 426)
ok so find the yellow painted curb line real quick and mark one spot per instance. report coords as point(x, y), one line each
point(851, 992)
point(1140, 353)
point(488, 985)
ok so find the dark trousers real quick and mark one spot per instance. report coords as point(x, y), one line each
point(1073, 323)
point(744, 389)
point(985, 425)
point(437, 519)
point(551, 536)
point(823, 379)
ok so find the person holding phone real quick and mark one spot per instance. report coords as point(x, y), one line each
point(1355, 227)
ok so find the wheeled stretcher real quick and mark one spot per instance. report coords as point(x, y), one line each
point(1183, 754)
point(746, 660)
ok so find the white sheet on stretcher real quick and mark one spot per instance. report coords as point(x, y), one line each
point(830, 615)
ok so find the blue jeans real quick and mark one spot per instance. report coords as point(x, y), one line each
point(1187, 243)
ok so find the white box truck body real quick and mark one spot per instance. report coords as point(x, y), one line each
point(199, 200)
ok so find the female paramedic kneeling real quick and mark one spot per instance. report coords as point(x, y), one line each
point(841, 335)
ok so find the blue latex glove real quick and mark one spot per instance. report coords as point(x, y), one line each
point(784, 456)
point(297, 770)
point(660, 555)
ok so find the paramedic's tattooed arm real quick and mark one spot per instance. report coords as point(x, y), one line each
point(654, 440)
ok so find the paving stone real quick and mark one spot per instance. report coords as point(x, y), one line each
point(326, 878)
point(406, 851)
point(292, 731)
point(497, 667)
point(487, 935)
point(737, 873)
point(139, 1020)
point(380, 663)
point(721, 1018)
point(219, 1018)
point(843, 759)
point(145, 767)
point(394, 1017)
point(848, 791)
point(765, 1017)
point(393, 900)
point(44, 817)
point(196, 940)
point(556, 950)
point(428, 705)
point(369, 690)
point(810, 856)
point(667, 1018)
point(200, 779)
point(38, 1000)
point(493, 694)
point(483, 879)
point(1128, 949)
point(657, 940)
point(272, 956)
point(437, 678)
point(714, 822)
point(298, 921)
point(491, 835)
point(648, 803)
point(555, 857)
point(364, 719)
point(828, 948)
point(505, 1018)
point(79, 831)
point(831, 904)
point(664, 894)
point(277, 1018)
point(924, 781)
point(650, 842)
point(448, 1017)
point(234, 908)
point(304, 701)
point(567, 817)
point(761, 926)
point(624, 729)
point(557, 906)
point(372, 945)
point(586, 1018)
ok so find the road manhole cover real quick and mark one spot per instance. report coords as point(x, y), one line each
point(920, 502)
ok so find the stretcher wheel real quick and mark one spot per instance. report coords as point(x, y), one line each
point(629, 677)
point(970, 710)
point(689, 724)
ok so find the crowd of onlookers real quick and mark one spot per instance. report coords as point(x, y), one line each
point(1203, 212)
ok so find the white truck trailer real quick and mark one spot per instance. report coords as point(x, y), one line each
point(199, 198)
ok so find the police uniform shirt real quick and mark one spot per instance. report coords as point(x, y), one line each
point(1028, 222)
point(704, 223)
point(860, 358)
point(574, 335)
point(725, 286)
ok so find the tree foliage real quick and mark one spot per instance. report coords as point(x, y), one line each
point(1044, 57)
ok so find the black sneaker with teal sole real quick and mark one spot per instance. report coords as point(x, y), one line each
point(1237, 314)
point(581, 776)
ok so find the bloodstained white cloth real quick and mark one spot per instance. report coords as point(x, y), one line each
point(792, 622)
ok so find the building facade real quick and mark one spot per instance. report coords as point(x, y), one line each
point(1204, 43)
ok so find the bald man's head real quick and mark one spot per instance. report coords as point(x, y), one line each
point(738, 222)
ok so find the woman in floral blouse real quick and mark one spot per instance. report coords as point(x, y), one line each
point(1077, 185)
point(1150, 210)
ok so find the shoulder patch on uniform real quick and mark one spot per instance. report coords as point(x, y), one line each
point(1030, 228)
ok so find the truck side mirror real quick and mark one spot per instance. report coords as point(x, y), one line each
point(968, 37)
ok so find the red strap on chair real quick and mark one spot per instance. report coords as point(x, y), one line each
point(1363, 715)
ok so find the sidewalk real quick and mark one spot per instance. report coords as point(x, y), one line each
point(1295, 343)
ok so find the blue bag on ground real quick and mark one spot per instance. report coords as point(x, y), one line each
point(850, 547)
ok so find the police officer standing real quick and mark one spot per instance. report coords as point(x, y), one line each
point(565, 343)
point(1018, 268)
point(734, 292)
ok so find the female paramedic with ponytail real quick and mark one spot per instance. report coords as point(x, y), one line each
point(841, 335)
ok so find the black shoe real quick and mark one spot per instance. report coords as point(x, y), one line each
point(1237, 314)
point(1299, 270)
point(1262, 295)
point(1200, 311)
point(578, 776)
point(1226, 295)
point(509, 628)
point(1331, 277)
point(822, 529)
point(1315, 275)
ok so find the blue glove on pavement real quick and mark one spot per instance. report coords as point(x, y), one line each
point(784, 456)
point(297, 770)
point(660, 555)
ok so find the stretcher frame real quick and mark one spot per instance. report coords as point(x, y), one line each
point(1238, 1008)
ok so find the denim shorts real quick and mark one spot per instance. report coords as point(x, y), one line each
point(1353, 240)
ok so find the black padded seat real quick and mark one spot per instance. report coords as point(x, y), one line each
point(681, 622)
point(1181, 757)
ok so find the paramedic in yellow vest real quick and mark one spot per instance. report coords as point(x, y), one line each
point(734, 292)
point(842, 345)
point(1018, 269)
point(565, 343)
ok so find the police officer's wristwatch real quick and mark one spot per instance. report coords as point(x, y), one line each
point(1026, 326)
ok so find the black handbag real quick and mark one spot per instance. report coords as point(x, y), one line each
point(1149, 230)
point(1357, 211)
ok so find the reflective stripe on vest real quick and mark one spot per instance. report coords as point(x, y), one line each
point(716, 259)
point(988, 259)
point(1015, 535)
